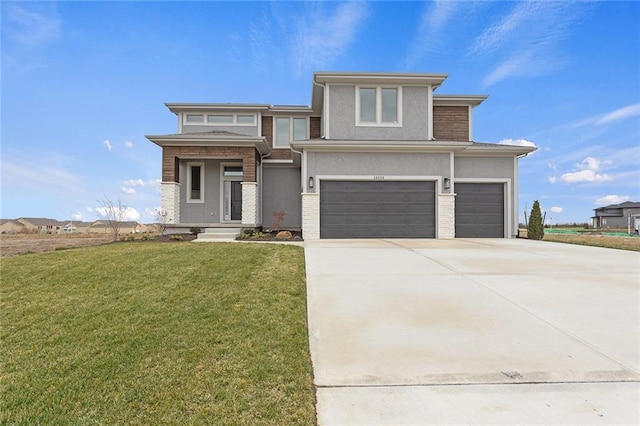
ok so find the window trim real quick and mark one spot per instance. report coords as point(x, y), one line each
point(291, 119)
point(378, 107)
point(234, 122)
point(191, 164)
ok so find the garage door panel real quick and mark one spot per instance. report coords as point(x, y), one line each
point(377, 209)
point(479, 210)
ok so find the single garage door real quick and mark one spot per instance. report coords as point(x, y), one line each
point(479, 210)
point(377, 209)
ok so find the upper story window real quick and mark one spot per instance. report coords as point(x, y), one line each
point(288, 129)
point(221, 119)
point(378, 106)
point(195, 182)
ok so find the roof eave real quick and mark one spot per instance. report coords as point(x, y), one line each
point(434, 80)
point(259, 143)
point(406, 146)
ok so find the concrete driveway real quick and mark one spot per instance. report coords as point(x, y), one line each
point(473, 331)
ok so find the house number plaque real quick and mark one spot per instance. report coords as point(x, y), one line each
point(378, 178)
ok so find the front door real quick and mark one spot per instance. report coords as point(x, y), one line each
point(236, 200)
point(232, 192)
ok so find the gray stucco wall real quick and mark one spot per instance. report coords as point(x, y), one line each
point(281, 192)
point(209, 211)
point(484, 167)
point(377, 163)
point(342, 113)
point(242, 130)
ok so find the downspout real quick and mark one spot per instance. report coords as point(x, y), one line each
point(322, 117)
point(262, 157)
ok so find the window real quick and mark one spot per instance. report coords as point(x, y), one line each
point(245, 119)
point(286, 127)
point(195, 182)
point(232, 171)
point(378, 106)
point(220, 119)
point(195, 118)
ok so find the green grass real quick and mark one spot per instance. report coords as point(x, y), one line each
point(156, 333)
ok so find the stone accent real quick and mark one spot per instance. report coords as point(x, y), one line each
point(170, 201)
point(451, 123)
point(249, 204)
point(446, 217)
point(310, 216)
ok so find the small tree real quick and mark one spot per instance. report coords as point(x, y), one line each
point(115, 214)
point(161, 220)
point(278, 217)
point(535, 228)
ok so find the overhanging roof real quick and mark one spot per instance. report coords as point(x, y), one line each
point(462, 100)
point(213, 138)
point(462, 148)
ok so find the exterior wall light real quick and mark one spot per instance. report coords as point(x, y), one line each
point(447, 183)
point(310, 181)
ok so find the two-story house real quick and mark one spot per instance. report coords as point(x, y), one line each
point(376, 155)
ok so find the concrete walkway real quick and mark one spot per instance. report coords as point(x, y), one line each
point(473, 332)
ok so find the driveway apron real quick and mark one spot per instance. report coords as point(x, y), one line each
point(485, 331)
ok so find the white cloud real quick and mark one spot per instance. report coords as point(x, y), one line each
point(620, 114)
point(77, 216)
point(517, 142)
point(553, 179)
point(134, 182)
point(526, 40)
point(609, 117)
point(31, 28)
point(611, 199)
point(321, 38)
point(588, 172)
point(128, 190)
point(128, 144)
point(107, 143)
point(128, 213)
point(18, 173)
point(434, 18)
point(556, 209)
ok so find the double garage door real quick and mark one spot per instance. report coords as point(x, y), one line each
point(406, 209)
point(377, 209)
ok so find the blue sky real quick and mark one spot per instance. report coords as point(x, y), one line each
point(83, 82)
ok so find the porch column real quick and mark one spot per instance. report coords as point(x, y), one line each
point(170, 201)
point(310, 216)
point(446, 226)
point(250, 204)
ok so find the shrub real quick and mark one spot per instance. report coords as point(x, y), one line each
point(195, 230)
point(175, 237)
point(535, 230)
point(146, 237)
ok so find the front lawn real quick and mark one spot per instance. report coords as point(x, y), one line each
point(156, 333)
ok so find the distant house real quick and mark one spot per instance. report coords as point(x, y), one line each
point(41, 225)
point(76, 226)
point(615, 216)
point(129, 227)
point(10, 226)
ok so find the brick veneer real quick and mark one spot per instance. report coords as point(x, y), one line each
point(171, 155)
point(451, 123)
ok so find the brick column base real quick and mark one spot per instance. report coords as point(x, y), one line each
point(311, 216)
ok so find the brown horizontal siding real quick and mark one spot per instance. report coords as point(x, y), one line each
point(451, 123)
point(171, 154)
